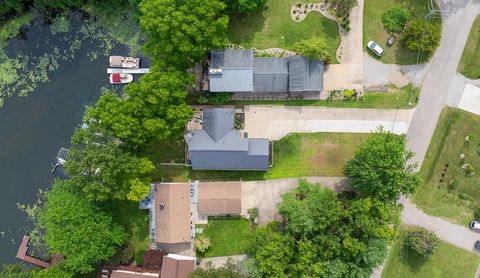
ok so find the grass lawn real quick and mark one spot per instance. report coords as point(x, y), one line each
point(373, 30)
point(136, 223)
point(296, 155)
point(274, 27)
point(449, 261)
point(228, 236)
point(469, 64)
point(395, 97)
point(448, 142)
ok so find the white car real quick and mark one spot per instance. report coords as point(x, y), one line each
point(375, 48)
point(475, 225)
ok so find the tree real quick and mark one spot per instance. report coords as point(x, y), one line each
point(181, 32)
point(324, 236)
point(229, 270)
point(395, 18)
point(202, 243)
point(379, 167)
point(344, 7)
point(422, 242)
point(314, 48)
point(76, 228)
point(103, 171)
point(155, 108)
point(420, 35)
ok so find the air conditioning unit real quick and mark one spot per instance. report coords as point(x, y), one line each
point(162, 205)
point(215, 71)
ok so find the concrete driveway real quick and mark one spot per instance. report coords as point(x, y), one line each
point(265, 195)
point(275, 122)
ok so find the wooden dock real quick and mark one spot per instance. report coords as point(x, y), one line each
point(22, 254)
point(132, 71)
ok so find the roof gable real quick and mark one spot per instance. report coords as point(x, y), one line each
point(218, 122)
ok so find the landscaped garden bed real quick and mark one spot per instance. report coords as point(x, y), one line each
point(274, 28)
point(450, 188)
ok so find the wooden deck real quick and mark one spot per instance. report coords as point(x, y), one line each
point(22, 254)
point(132, 71)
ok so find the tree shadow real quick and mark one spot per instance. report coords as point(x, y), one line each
point(242, 28)
point(409, 258)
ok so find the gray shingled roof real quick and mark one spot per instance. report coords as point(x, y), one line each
point(237, 70)
point(305, 75)
point(270, 75)
point(227, 151)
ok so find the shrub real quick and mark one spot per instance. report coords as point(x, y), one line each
point(348, 94)
point(332, 12)
point(297, 17)
point(214, 98)
point(422, 242)
point(468, 169)
point(202, 243)
point(299, 5)
point(395, 18)
point(452, 185)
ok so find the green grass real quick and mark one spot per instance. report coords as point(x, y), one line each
point(448, 142)
point(275, 28)
point(469, 63)
point(394, 98)
point(228, 236)
point(373, 30)
point(449, 261)
point(296, 155)
point(136, 223)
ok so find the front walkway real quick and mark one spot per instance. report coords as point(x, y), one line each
point(220, 261)
point(275, 122)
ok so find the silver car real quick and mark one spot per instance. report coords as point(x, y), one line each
point(475, 225)
point(373, 46)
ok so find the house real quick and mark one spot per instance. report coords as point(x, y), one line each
point(177, 266)
point(171, 216)
point(238, 71)
point(219, 146)
point(219, 198)
point(130, 274)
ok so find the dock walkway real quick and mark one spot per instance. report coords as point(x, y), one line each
point(132, 71)
point(22, 254)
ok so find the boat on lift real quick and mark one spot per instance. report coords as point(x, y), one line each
point(124, 62)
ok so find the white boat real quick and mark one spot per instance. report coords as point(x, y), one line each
point(124, 62)
point(119, 78)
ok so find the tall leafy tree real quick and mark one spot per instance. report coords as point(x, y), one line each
point(313, 48)
point(421, 35)
point(154, 108)
point(76, 228)
point(181, 32)
point(104, 171)
point(380, 167)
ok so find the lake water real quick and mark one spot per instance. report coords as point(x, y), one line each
point(32, 129)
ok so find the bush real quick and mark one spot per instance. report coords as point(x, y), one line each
point(202, 243)
point(452, 185)
point(476, 213)
point(395, 18)
point(214, 98)
point(332, 12)
point(422, 242)
point(468, 169)
point(348, 94)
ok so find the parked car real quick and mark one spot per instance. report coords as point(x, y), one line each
point(475, 225)
point(477, 246)
point(375, 48)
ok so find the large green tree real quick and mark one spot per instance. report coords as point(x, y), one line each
point(181, 32)
point(154, 108)
point(421, 35)
point(380, 167)
point(76, 228)
point(324, 236)
point(104, 171)
point(313, 48)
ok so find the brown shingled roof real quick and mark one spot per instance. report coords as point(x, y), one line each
point(132, 274)
point(174, 267)
point(172, 223)
point(219, 198)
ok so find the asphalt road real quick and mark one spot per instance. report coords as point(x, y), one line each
point(440, 80)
